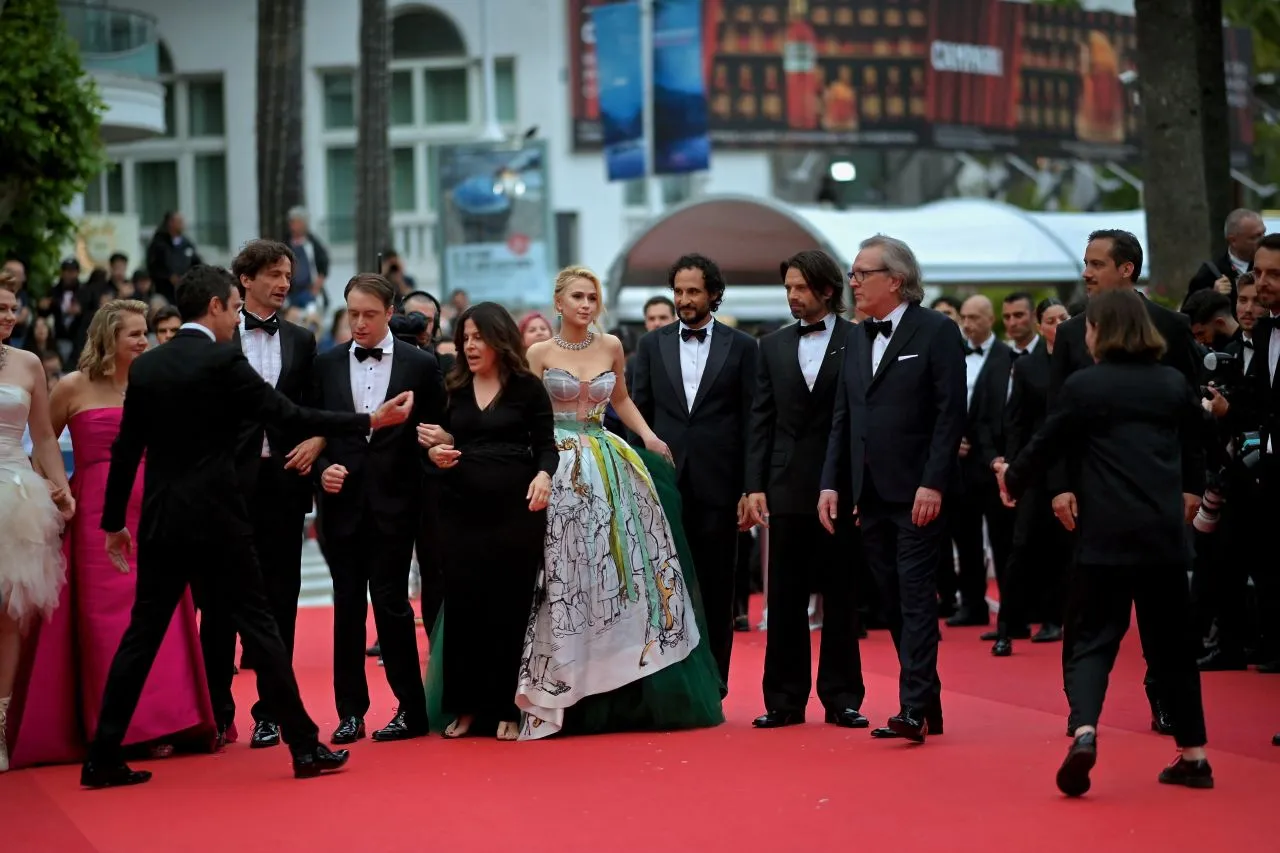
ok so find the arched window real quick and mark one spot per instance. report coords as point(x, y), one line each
point(437, 95)
point(185, 169)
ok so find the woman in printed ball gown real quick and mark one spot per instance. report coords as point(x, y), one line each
point(614, 639)
point(56, 706)
point(31, 511)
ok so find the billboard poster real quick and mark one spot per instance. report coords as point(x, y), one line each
point(620, 72)
point(971, 75)
point(495, 221)
point(680, 134)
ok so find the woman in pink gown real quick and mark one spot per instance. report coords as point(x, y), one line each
point(61, 684)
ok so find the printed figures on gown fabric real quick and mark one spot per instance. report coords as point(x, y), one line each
point(612, 578)
point(58, 702)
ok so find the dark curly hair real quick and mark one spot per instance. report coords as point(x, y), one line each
point(499, 332)
point(711, 276)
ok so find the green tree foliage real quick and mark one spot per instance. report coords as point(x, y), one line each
point(1262, 17)
point(50, 114)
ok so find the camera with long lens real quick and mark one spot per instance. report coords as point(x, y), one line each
point(1222, 368)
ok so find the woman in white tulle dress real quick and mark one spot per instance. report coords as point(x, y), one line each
point(32, 510)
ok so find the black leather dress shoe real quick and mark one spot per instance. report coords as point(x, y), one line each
point(95, 775)
point(933, 717)
point(319, 759)
point(1073, 775)
point(1220, 661)
point(374, 651)
point(264, 735)
point(350, 730)
point(847, 718)
point(1275, 740)
point(1002, 648)
point(909, 723)
point(401, 728)
point(1161, 719)
point(967, 617)
point(1189, 774)
point(1048, 633)
point(778, 719)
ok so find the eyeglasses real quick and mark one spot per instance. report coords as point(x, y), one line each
point(860, 276)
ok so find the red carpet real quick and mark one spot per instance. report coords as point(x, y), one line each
point(987, 785)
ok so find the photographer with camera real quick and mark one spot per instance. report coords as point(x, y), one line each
point(1256, 407)
point(1223, 551)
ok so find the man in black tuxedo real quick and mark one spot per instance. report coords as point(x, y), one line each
point(693, 382)
point(273, 463)
point(186, 403)
point(796, 387)
point(371, 508)
point(1243, 229)
point(895, 433)
point(1113, 261)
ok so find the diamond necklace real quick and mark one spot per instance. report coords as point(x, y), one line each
point(580, 345)
point(4, 355)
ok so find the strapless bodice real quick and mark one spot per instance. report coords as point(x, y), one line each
point(93, 431)
point(15, 407)
point(578, 400)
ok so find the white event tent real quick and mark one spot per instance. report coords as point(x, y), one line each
point(959, 242)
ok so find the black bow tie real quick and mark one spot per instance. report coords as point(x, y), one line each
point(1019, 353)
point(877, 327)
point(972, 350)
point(1248, 342)
point(271, 325)
point(690, 334)
point(374, 353)
point(820, 326)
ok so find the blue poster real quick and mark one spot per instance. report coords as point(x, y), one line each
point(620, 71)
point(681, 142)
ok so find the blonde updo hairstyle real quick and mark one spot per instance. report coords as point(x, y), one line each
point(567, 275)
point(8, 281)
point(98, 358)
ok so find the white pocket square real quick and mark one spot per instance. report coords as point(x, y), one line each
point(905, 357)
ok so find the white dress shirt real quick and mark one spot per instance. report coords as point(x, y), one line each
point(693, 360)
point(881, 343)
point(973, 363)
point(371, 378)
point(1241, 266)
point(812, 349)
point(263, 352)
point(204, 329)
point(1025, 351)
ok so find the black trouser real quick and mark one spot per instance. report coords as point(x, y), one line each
point(1034, 581)
point(803, 557)
point(1101, 598)
point(373, 567)
point(980, 499)
point(427, 546)
point(904, 561)
point(225, 579)
point(277, 516)
point(1243, 553)
point(712, 533)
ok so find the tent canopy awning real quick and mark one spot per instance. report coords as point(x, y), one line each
point(958, 241)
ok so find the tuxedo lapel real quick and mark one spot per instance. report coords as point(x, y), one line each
point(341, 378)
point(669, 347)
point(830, 367)
point(862, 344)
point(901, 337)
point(399, 369)
point(288, 341)
point(716, 357)
point(789, 351)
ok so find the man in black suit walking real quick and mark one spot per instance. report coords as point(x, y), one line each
point(184, 409)
point(796, 387)
point(371, 508)
point(895, 433)
point(1113, 261)
point(273, 463)
point(693, 384)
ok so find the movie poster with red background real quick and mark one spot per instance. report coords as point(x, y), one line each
point(973, 75)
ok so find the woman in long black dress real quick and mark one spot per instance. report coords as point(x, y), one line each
point(494, 512)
